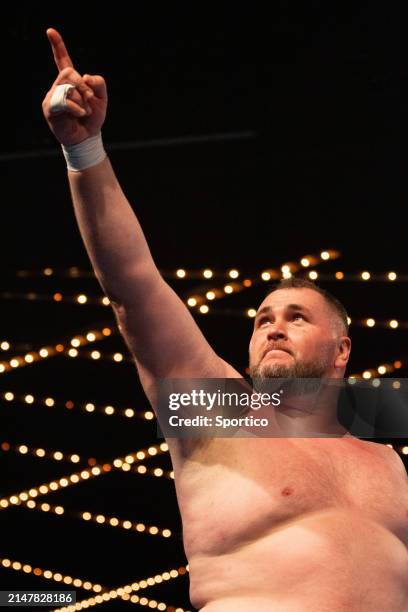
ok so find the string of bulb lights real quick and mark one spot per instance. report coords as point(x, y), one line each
point(198, 299)
point(99, 519)
point(123, 463)
point(88, 407)
point(75, 272)
point(124, 592)
point(49, 351)
point(41, 453)
point(106, 594)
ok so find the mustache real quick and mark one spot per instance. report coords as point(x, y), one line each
point(278, 347)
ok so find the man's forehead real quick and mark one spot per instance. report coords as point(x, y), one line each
point(301, 296)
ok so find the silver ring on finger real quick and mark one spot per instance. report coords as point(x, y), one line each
point(58, 100)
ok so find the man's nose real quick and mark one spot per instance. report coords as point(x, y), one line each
point(277, 331)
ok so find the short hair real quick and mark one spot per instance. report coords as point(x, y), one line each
point(302, 283)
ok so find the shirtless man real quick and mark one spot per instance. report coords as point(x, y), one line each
point(284, 524)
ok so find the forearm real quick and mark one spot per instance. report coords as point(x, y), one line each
point(111, 232)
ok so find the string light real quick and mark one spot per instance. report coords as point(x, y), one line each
point(50, 575)
point(365, 276)
point(105, 594)
point(100, 519)
point(305, 261)
point(51, 402)
point(96, 471)
point(286, 271)
point(382, 369)
point(124, 592)
point(50, 351)
point(42, 453)
point(58, 297)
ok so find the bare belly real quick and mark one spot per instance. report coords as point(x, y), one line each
point(329, 561)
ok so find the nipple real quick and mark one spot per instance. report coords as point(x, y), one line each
point(287, 491)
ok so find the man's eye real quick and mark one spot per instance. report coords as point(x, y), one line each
point(263, 320)
point(298, 315)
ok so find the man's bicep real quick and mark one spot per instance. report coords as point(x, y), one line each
point(163, 336)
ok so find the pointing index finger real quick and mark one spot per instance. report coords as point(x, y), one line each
point(59, 50)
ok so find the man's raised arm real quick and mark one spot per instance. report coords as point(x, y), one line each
point(156, 324)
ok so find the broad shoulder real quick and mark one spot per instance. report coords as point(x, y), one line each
point(390, 457)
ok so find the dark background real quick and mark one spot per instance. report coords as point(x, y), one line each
point(242, 139)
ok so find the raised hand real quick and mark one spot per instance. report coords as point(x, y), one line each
point(85, 104)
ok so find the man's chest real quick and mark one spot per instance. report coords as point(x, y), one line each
point(236, 489)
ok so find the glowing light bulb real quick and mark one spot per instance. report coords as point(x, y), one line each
point(233, 273)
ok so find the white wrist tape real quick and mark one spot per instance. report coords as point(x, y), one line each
point(85, 154)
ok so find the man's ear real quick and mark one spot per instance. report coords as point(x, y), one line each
point(343, 352)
